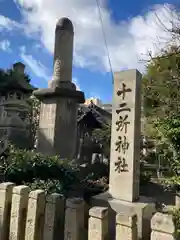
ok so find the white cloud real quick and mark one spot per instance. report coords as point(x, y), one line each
point(8, 24)
point(128, 41)
point(38, 69)
point(5, 45)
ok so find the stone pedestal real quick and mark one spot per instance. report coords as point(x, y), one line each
point(58, 119)
point(144, 208)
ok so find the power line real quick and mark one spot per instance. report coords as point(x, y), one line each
point(105, 41)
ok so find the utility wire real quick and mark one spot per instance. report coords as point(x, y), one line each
point(105, 41)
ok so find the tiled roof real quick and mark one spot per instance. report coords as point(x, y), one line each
point(102, 116)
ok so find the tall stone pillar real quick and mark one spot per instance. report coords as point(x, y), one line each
point(123, 195)
point(58, 114)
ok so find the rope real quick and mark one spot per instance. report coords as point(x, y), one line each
point(105, 41)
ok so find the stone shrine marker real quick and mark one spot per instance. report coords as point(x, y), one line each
point(58, 114)
point(125, 136)
point(123, 195)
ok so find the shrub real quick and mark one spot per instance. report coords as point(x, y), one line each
point(28, 167)
point(49, 186)
point(54, 175)
point(51, 174)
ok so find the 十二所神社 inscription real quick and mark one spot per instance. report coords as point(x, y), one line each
point(125, 136)
point(122, 143)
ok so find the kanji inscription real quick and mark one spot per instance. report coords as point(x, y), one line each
point(123, 91)
point(123, 108)
point(122, 123)
point(122, 144)
point(121, 165)
point(124, 171)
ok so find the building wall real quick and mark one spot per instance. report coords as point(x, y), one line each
point(107, 107)
point(96, 101)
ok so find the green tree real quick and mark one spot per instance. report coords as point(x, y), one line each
point(9, 74)
point(13, 74)
point(161, 84)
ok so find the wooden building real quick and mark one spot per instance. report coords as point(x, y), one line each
point(90, 117)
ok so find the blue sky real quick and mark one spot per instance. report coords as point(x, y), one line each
point(27, 35)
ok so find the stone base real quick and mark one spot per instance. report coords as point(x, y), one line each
point(144, 208)
point(58, 120)
point(60, 92)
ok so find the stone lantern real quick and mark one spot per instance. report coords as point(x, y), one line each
point(14, 108)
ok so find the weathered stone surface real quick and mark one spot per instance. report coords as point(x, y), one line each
point(98, 212)
point(35, 216)
point(177, 200)
point(98, 223)
point(18, 212)
point(74, 219)
point(63, 51)
point(125, 136)
point(5, 208)
point(57, 127)
point(129, 220)
point(144, 209)
point(15, 109)
point(163, 227)
point(54, 217)
point(161, 236)
point(126, 227)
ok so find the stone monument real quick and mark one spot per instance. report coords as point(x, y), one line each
point(58, 113)
point(125, 138)
point(123, 195)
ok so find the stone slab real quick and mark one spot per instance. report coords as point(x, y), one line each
point(144, 208)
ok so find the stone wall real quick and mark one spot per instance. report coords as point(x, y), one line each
point(33, 215)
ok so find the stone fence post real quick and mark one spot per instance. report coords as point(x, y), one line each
point(35, 215)
point(5, 208)
point(162, 226)
point(18, 212)
point(54, 217)
point(177, 200)
point(126, 227)
point(98, 223)
point(74, 219)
